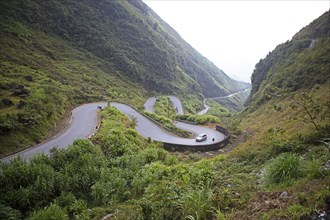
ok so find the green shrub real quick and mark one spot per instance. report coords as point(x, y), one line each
point(53, 212)
point(275, 140)
point(196, 202)
point(8, 122)
point(284, 169)
point(164, 107)
point(9, 213)
point(168, 123)
point(296, 211)
point(128, 211)
point(314, 169)
point(199, 119)
point(161, 119)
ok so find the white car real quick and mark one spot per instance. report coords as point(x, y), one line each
point(201, 137)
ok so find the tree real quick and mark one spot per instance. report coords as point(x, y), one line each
point(311, 108)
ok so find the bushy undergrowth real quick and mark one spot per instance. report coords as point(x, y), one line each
point(120, 172)
point(168, 123)
point(125, 176)
point(199, 119)
point(164, 107)
point(52, 212)
point(285, 168)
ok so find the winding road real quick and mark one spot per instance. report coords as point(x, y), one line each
point(205, 110)
point(177, 105)
point(84, 120)
point(230, 95)
point(149, 104)
point(206, 107)
point(82, 125)
point(149, 129)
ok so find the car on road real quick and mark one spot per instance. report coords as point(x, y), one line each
point(201, 137)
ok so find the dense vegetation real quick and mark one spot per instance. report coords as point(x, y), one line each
point(199, 119)
point(122, 175)
point(164, 107)
point(165, 121)
point(57, 54)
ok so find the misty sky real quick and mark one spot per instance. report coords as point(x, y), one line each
point(235, 35)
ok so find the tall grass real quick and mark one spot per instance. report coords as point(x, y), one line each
point(284, 169)
point(196, 202)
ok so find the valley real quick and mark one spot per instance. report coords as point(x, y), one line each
point(58, 55)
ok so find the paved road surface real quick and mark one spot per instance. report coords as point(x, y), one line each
point(82, 125)
point(177, 105)
point(148, 129)
point(149, 104)
point(230, 95)
point(84, 119)
point(205, 110)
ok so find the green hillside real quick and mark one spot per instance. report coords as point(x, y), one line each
point(130, 36)
point(291, 86)
point(285, 127)
point(301, 63)
point(57, 54)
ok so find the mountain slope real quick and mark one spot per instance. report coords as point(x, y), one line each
point(300, 63)
point(285, 128)
point(56, 54)
point(131, 37)
point(291, 86)
point(36, 90)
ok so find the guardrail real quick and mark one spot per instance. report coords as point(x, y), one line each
point(186, 121)
point(206, 147)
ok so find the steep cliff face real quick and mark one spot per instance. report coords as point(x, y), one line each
point(300, 63)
